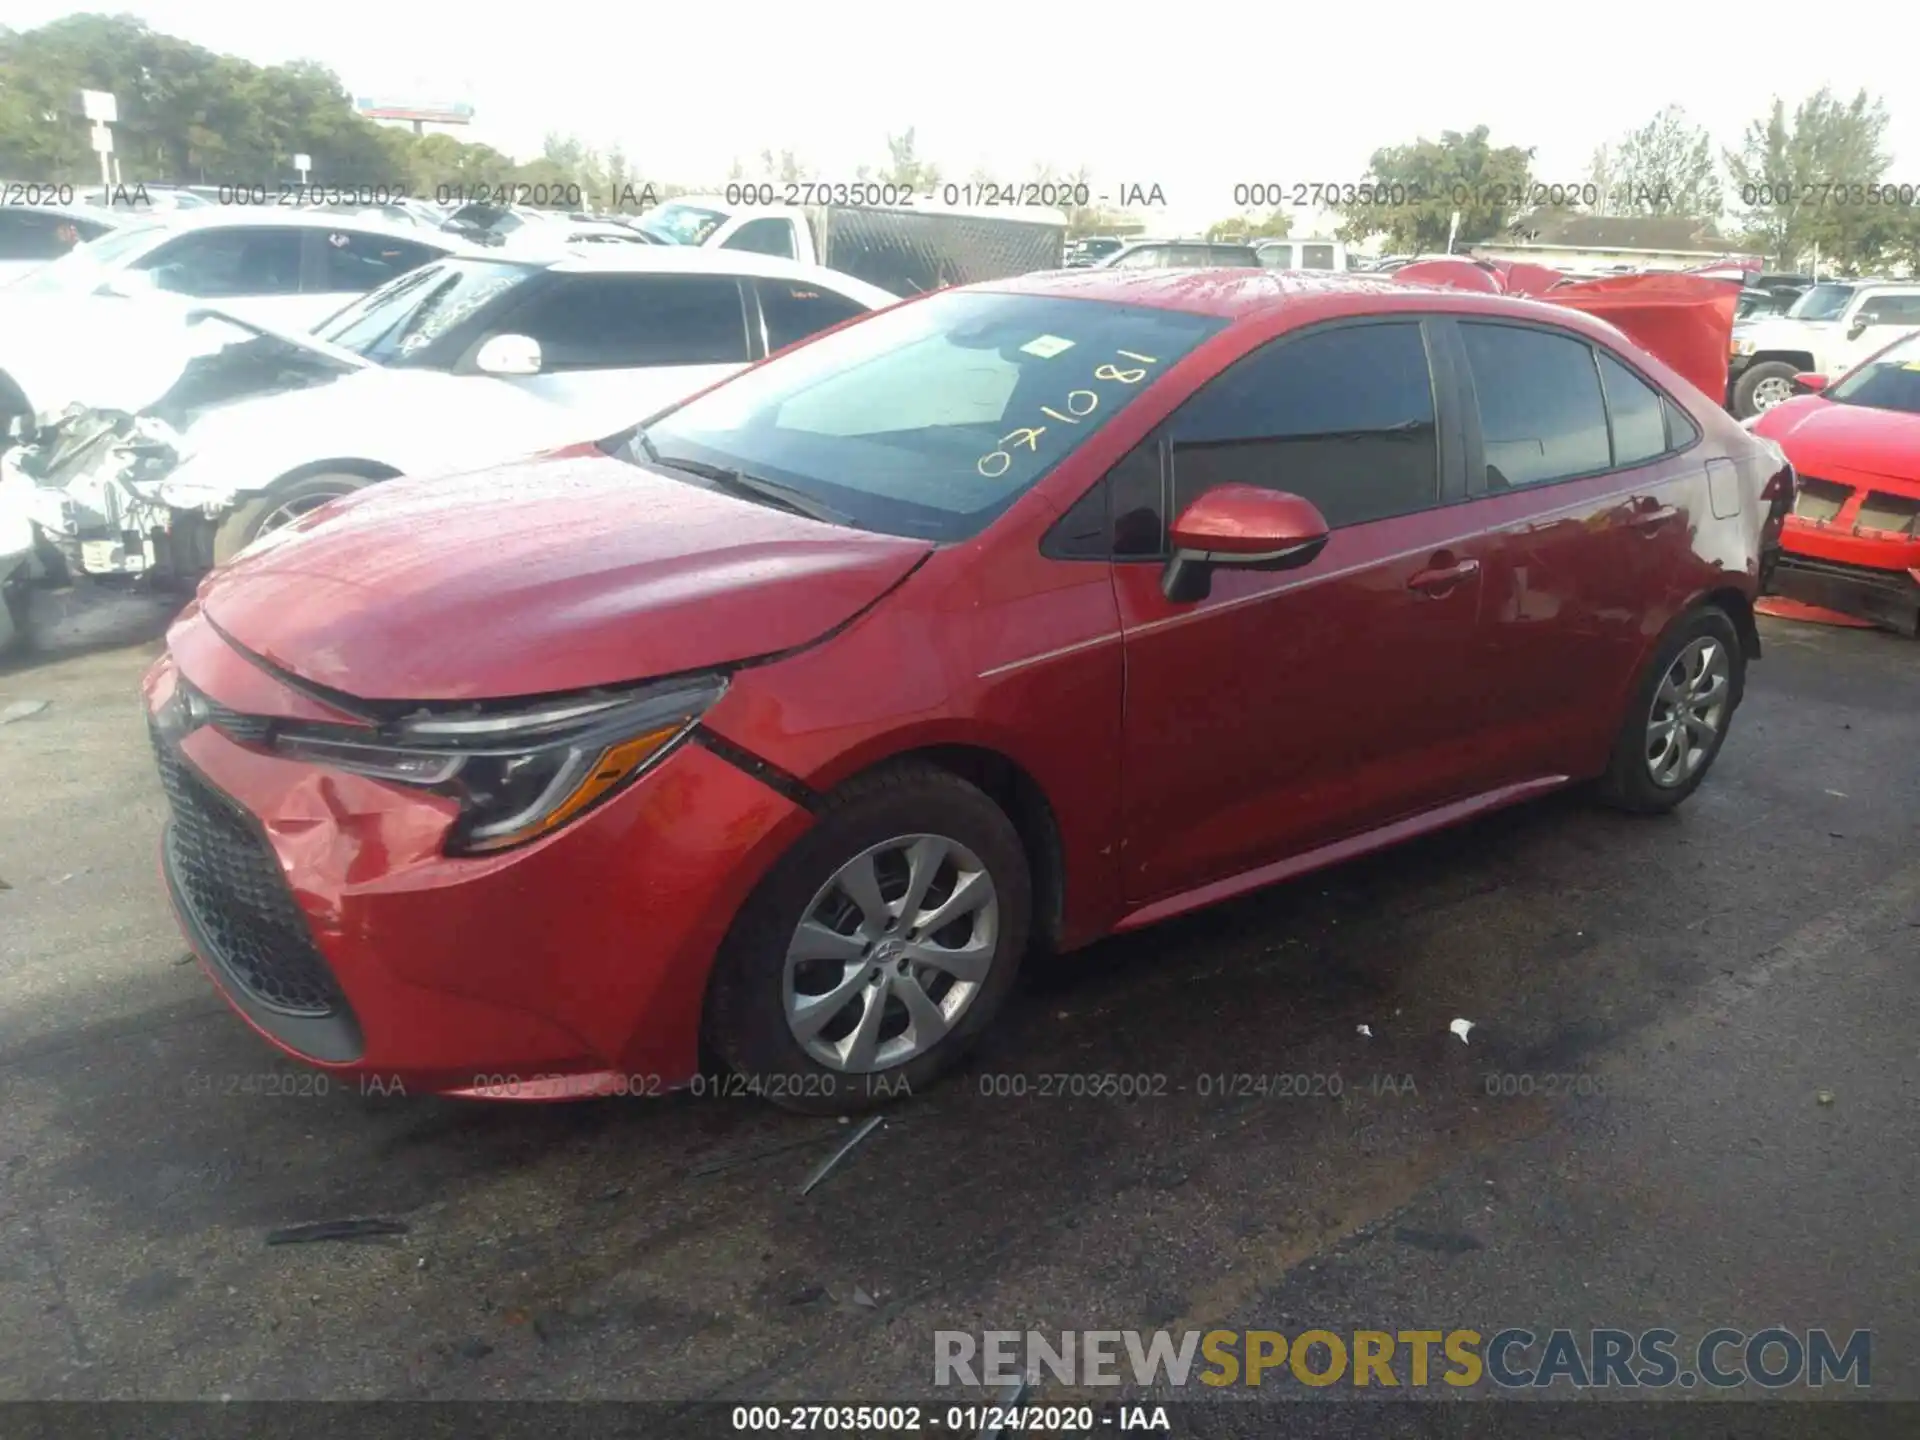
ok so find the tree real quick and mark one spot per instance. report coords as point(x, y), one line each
point(1276, 225)
point(1666, 167)
point(1804, 183)
point(1415, 190)
point(904, 167)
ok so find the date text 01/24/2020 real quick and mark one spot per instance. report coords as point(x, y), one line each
point(971, 194)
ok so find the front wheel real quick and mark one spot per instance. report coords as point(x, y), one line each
point(16, 600)
point(281, 504)
point(1763, 386)
point(1679, 715)
point(878, 949)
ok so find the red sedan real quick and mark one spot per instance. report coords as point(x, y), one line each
point(1852, 542)
point(1018, 614)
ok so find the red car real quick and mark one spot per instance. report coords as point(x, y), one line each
point(1018, 614)
point(1852, 542)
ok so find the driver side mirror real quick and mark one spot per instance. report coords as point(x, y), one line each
point(1242, 527)
point(1860, 324)
point(508, 355)
point(131, 284)
point(1806, 382)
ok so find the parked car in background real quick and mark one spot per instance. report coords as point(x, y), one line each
point(1178, 255)
point(1852, 543)
point(906, 250)
point(225, 430)
point(747, 725)
point(284, 268)
point(1827, 330)
point(1302, 254)
point(1090, 248)
point(32, 235)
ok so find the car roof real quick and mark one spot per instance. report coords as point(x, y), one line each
point(1238, 293)
point(642, 259)
point(76, 211)
point(227, 217)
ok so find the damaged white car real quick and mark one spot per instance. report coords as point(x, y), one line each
point(187, 453)
point(198, 431)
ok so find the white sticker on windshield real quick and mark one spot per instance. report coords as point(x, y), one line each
point(1047, 346)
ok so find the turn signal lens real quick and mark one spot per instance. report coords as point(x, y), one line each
point(579, 779)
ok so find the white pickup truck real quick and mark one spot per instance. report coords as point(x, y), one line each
point(1827, 331)
point(903, 248)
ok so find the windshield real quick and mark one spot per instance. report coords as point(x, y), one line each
point(1822, 302)
point(1887, 381)
point(397, 323)
point(930, 419)
point(85, 266)
point(682, 224)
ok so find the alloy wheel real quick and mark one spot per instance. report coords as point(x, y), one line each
point(1772, 391)
point(890, 952)
point(292, 510)
point(1689, 710)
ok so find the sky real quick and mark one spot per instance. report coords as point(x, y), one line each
point(1249, 94)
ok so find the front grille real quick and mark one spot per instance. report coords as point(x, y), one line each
point(230, 879)
point(1819, 501)
point(1896, 514)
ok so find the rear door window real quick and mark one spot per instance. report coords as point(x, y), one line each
point(624, 322)
point(795, 309)
point(357, 261)
point(39, 235)
point(240, 260)
point(1634, 407)
point(1541, 415)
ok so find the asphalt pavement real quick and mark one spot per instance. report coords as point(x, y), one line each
point(1724, 1005)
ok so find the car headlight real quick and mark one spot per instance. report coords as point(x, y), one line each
point(1743, 347)
point(520, 773)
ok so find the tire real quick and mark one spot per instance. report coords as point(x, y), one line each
point(1637, 778)
point(246, 522)
point(747, 1004)
point(16, 602)
point(1752, 378)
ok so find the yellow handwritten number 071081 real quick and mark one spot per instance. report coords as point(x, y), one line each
point(998, 462)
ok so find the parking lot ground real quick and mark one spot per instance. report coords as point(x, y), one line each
point(1731, 996)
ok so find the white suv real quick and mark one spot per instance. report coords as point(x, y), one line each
point(1827, 331)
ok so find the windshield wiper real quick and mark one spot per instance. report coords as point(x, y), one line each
point(748, 487)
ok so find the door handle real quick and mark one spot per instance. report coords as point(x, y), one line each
point(1650, 514)
point(1439, 579)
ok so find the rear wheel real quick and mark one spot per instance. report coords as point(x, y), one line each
point(1679, 716)
point(281, 504)
point(879, 949)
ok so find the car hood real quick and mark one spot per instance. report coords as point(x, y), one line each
point(561, 573)
point(1774, 331)
point(1826, 439)
point(107, 352)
